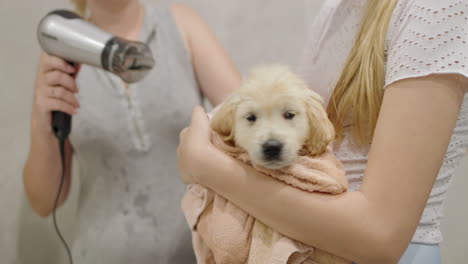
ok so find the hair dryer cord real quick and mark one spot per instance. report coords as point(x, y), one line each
point(62, 179)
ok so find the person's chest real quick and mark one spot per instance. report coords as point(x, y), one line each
point(330, 40)
point(132, 118)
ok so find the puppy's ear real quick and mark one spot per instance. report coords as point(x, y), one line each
point(223, 119)
point(321, 131)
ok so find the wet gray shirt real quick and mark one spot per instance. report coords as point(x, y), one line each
point(125, 142)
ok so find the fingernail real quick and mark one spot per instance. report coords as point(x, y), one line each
point(70, 68)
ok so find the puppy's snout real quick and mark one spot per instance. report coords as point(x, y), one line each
point(272, 149)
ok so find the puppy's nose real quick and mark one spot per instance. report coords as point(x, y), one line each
point(272, 149)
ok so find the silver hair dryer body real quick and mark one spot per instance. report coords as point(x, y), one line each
point(66, 35)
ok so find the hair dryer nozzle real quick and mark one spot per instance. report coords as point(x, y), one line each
point(130, 60)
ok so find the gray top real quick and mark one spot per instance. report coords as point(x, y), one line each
point(125, 141)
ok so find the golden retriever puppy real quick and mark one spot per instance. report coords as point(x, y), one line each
point(274, 117)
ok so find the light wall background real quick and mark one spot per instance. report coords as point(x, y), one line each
point(253, 31)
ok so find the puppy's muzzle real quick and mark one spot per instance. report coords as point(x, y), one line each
point(272, 150)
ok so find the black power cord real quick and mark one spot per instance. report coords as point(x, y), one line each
point(62, 179)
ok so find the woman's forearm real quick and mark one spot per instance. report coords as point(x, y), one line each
point(43, 170)
point(361, 239)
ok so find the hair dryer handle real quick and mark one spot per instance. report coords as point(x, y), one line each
point(61, 122)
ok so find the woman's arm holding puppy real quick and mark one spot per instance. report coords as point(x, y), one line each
point(372, 225)
point(215, 71)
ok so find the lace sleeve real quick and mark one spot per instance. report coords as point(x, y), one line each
point(427, 37)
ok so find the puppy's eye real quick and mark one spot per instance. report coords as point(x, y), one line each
point(251, 118)
point(289, 115)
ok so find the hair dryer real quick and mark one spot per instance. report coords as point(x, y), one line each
point(66, 35)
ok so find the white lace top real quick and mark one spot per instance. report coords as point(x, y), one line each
point(424, 37)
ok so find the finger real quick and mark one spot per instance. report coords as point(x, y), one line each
point(57, 78)
point(179, 155)
point(183, 132)
point(199, 118)
point(55, 63)
point(52, 104)
point(63, 94)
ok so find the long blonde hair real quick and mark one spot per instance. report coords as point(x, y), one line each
point(359, 90)
point(80, 6)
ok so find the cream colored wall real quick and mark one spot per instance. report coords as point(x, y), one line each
point(254, 31)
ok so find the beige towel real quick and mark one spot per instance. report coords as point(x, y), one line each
point(222, 233)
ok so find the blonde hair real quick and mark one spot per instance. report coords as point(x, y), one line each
point(80, 6)
point(359, 90)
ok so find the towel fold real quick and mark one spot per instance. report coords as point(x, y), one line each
point(222, 233)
